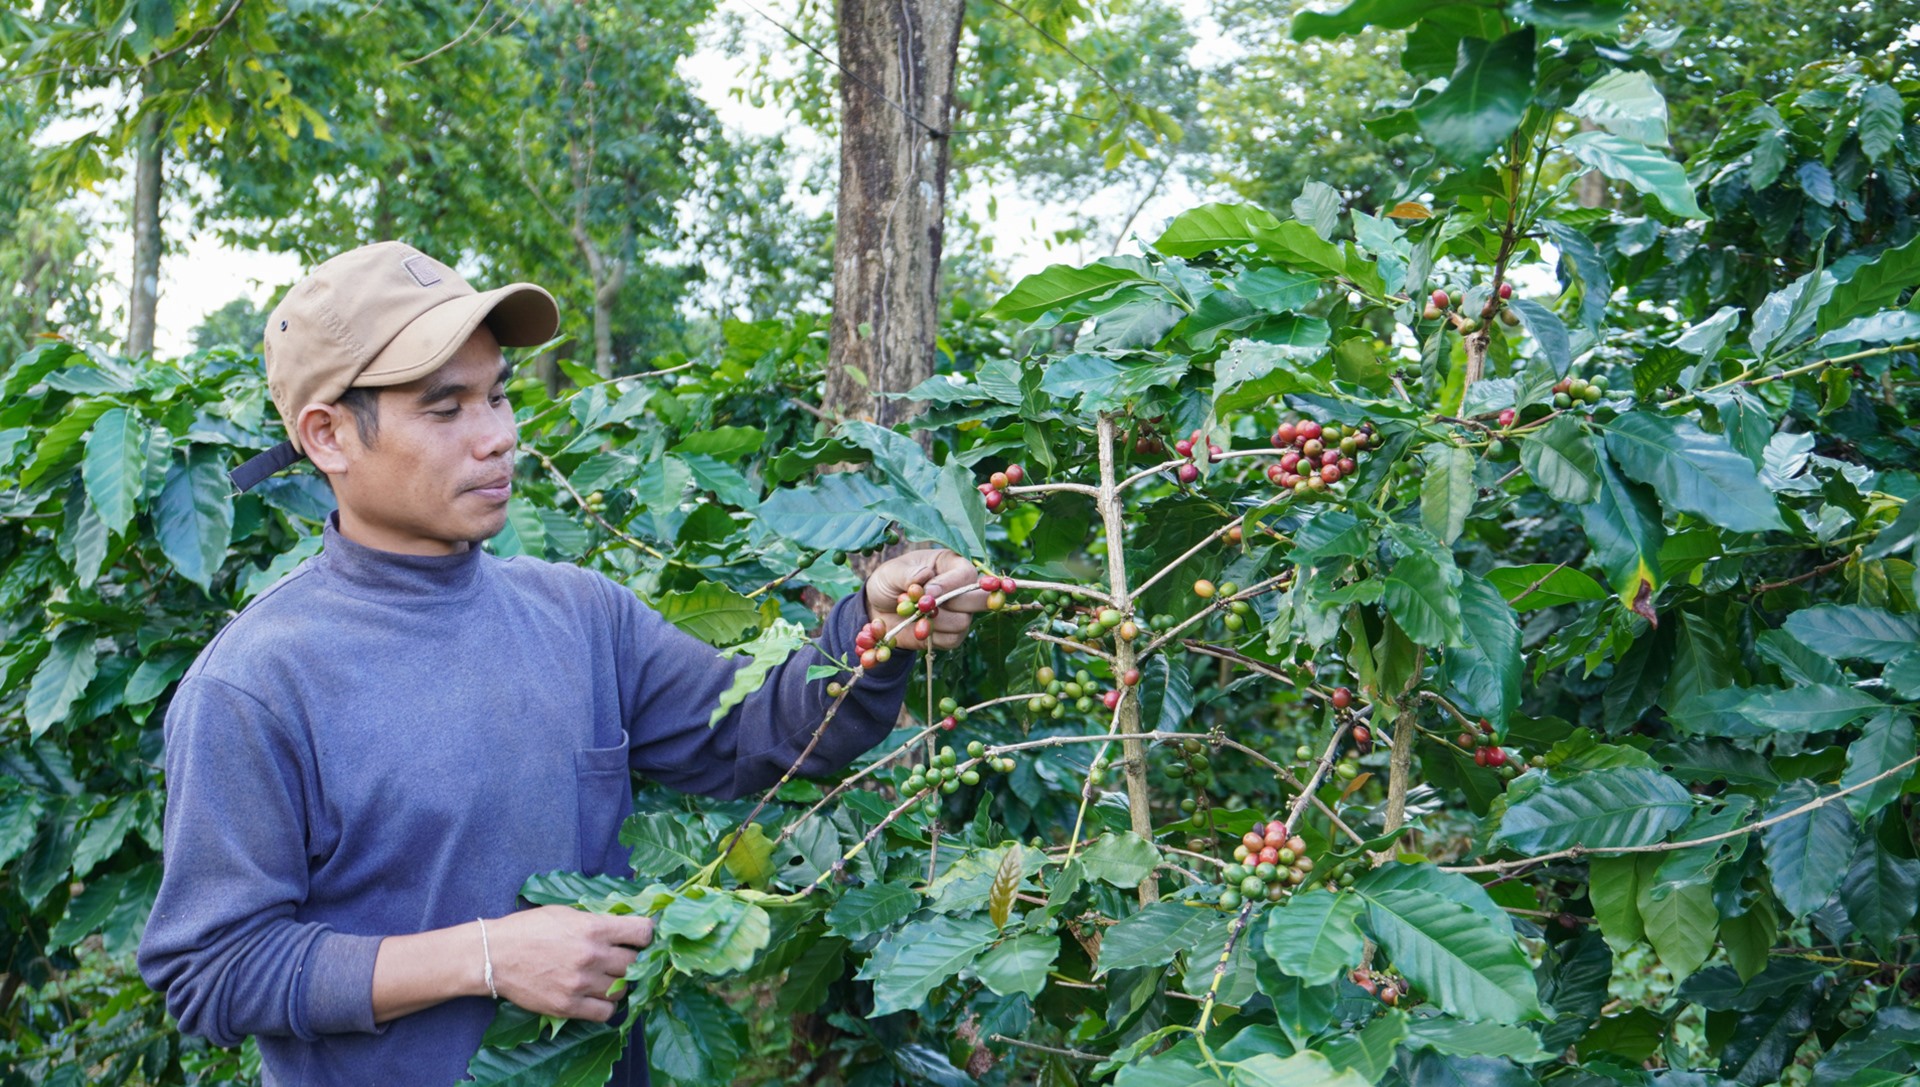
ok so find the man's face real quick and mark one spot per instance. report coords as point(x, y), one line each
point(438, 472)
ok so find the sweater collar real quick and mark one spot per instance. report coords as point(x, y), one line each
point(386, 575)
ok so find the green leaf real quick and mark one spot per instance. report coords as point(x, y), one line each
point(1580, 262)
point(1484, 99)
point(1215, 226)
point(60, 680)
point(1875, 285)
point(765, 653)
point(729, 947)
point(726, 443)
point(1855, 632)
point(1276, 290)
point(1544, 585)
point(114, 906)
point(1444, 1034)
point(1601, 809)
point(1803, 852)
point(1357, 16)
point(1885, 742)
point(1623, 525)
point(1318, 206)
point(115, 466)
point(1316, 936)
point(580, 1055)
point(694, 1038)
point(1903, 675)
point(1613, 886)
point(1681, 926)
point(876, 907)
point(1485, 671)
point(1783, 316)
point(1424, 598)
point(1806, 709)
point(711, 612)
point(1158, 932)
point(1887, 326)
point(1369, 1051)
point(60, 438)
point(1693, 471)
point(1749, 938)
point(663, 846)
point(1062, 285)
point(1880, 892)
point(830, 516)
point(1627, 104)
point(193, 517)
point(1446, 491)
point(1561, 458)
point(1102, 384)
point(1548, 330)
point(1019, 965)
point(1882, 113)
point(1461, 961)
point(1306, 1068)
point(1647, 170)
point(1123, 859)
point(907, 966)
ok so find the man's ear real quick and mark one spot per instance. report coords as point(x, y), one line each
point(328, 434)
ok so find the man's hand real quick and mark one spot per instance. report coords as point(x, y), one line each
point(556, 960)
point(937, 571)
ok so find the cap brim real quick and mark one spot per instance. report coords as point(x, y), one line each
point(520, 315)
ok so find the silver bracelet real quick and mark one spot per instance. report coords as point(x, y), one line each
point(487, 949)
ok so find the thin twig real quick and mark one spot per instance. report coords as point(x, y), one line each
point(1055, 1050)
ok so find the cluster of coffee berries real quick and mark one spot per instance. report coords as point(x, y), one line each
point(1381, 984)
point(951, 714)
point(915, 600)
point(1486, 751)
point(1346, 769)
point(999, 764)
point(1574, 389)
point(1190, 761)
point(943, 777)
point(1268, 863)
point(1189, 471)
point(595, 502)
point(1056, 694)
point(994, 490)
point(873, 645)
point(999, 590)
point(1145, 442)
point(1318, 454)
point(1439, 304)
point(1237, 610)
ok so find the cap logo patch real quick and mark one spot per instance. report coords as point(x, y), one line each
point(421, 271)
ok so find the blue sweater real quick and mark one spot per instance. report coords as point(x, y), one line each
point(385, 744)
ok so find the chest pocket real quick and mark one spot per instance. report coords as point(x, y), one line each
point(605, 790)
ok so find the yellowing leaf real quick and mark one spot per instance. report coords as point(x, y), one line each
point(1407, 209)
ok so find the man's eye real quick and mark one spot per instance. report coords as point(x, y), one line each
point(445, 414)
point(497, 399)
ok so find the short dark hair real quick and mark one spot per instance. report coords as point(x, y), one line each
point(364, 404)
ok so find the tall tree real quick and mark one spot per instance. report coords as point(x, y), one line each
point(897, 103)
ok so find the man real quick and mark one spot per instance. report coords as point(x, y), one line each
point(366, 764)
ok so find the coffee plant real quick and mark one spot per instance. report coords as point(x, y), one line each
point(1471, 640)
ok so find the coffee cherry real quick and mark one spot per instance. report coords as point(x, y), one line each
point(989, 583)
point(1187, 473)
point(1203, 589)
point(1308, 430)
point(1131, 677)
point(928, 605)
point(1509, 318)
point(1562, 401)
point(1362, 736)
point(1311, 448)
point(1285, 434)
point(835, 690)
point(1440, 299)
point(1506, 291)
point(1235, 534)
point(947, 723)
point(994, 501)
point(1110, 698)
point(1183, 447)
point(923, 629)
point(1341, 698)
point(1432, 312)
point(1229, 900)
point(1015, 474)
point(1330, 474)
point(1000, 481)
point(1346, 466)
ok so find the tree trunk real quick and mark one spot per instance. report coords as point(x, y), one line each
point(144, 295)
point(897, 98)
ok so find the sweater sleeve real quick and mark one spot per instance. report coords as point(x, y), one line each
point(671, 681)
point(222, 944)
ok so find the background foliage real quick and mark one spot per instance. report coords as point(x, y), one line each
point(1683, 603)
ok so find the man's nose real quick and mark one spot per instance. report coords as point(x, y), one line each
point(502, 435)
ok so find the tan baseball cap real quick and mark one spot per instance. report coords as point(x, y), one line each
point(382, 314)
